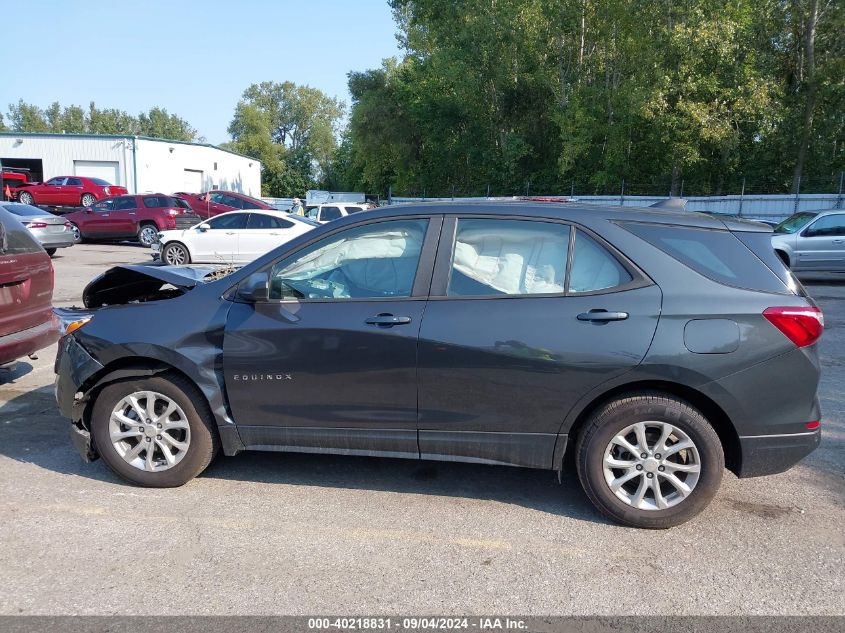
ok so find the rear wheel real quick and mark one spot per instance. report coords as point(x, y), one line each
point(649, 460)
point(147, 234)
point(176, 254)
point(154, 431)
point(88, 199)
point(25, 198)
point(77, 234)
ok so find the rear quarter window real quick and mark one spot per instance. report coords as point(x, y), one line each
point(716, 254)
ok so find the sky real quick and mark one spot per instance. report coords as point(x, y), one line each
point(191, 57)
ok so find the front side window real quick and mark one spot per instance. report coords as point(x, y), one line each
point(508, 257)
point(231, 221)
point(372, 261)
point(103, 206)
point(594, 268)
point(218, 198)
point(828, 226)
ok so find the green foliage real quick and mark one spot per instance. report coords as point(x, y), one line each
point(538, 94)
point(25, 117)
point(291, 129)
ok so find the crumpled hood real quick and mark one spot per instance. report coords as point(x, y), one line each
point(140, 282)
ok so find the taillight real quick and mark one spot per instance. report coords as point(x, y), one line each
point(813, 425)
point(175, 212)
point(36, 225)
point(106, 190)
point(68, 226)
point(802, 326)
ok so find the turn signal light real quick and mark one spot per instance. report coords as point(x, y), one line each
point(75, 325)
point(802, 326)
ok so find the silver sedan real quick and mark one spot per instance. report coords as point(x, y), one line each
point(50, 230)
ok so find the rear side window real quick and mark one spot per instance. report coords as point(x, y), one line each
point(124, 204)
point(594, 268)
point(264, 221)
point(75, 182)
point(330, 213)
point(508, 257)
point(718, 255)
point(152, 202)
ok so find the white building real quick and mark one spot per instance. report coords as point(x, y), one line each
point(139, 163)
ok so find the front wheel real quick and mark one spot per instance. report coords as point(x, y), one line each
point(26, 198)
point(649, 460)
point(154, 431)
point(88, 199)
point(176, 254)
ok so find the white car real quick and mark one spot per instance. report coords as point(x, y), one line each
point(237, 237)
point(323, 213)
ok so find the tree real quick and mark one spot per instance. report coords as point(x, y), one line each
point(291, 129)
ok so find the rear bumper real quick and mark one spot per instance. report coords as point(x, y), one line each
point(771, 454)
point(25, 342)
point(56, 241)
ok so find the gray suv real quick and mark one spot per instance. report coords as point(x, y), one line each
point(654, 347)
point(812, 241)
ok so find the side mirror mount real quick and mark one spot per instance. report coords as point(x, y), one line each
point(204, 227)
point(255, 288)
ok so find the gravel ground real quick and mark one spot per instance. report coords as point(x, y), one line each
point(296, 534)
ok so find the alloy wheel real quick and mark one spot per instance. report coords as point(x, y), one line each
point(651, 465)
point(147, 235)
point(25, 198)
point(149, 431)
point(88, 200)
point(176, 255)
point(77, 234)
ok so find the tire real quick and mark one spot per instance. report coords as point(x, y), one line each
point(24, 197)
point(51, 251)
point(77, 234)
point(176, 254)
point(783, 257)
point(653, 412)
point(196, 431)
point(147, 234)
point(88, 199)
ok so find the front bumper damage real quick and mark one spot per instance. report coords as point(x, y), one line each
point(74, 368)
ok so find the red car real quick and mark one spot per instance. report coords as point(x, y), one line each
point(127, 217)
point(27, 323)
point(69, 191)
point(212, 203)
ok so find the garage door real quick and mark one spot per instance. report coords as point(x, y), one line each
point(104, 169)
point(192, 181)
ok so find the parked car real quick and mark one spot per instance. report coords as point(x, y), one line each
point(11, 178)
point(235, 237)
point(812, 241)
point(70, 191)
point(51, 231)
point(657, 347)
point(323, 213)
point(211, 203)
point(27, 323)
point(130, 217)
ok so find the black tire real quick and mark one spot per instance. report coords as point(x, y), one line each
point(24, 197)
point(146, 238)
point(88, 199)
point(783, 257)
point(612, 418)
point(51, 251)
point(169, 251)
point(204, 441)
point(77, 234)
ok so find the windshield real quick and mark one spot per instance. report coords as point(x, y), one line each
point(101, 182)
point(794, 222)
point(304, 220)
point(25, 210)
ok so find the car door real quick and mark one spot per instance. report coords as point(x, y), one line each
point(123, 219)
point(821, 245)
point(51, 191)
point(263, 233)
point(516, 331)
point(219, 243)
point(328, 363)
point(71, 192)
point(96, 220)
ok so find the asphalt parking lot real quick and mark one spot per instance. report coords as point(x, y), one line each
point(297, 534)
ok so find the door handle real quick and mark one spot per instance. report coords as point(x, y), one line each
point(131, 213)
point(838, 241)
point(602, 316)
point(230, 233)
point(388, 320)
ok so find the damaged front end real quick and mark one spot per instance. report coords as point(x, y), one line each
point(79, 374)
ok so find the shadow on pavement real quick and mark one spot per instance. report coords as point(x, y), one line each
point(13, 371)
point(32, 431)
